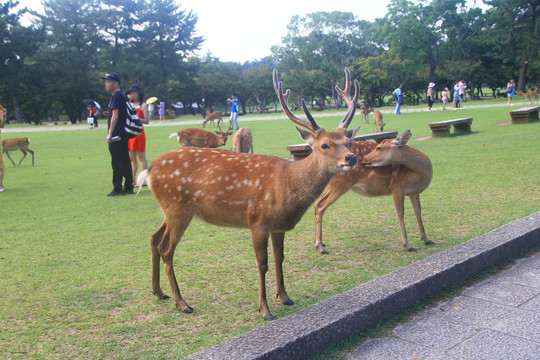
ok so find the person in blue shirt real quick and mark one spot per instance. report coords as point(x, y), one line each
point(234, 111)
point(510, 90)
point(398, 94)
point(118, 142)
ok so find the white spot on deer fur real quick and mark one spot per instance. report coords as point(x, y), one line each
point(257, 165)
point(204, 160)
point(189, 179)
point(271, 176)
point(186, 164)
point(163, 162)
point(260, 187)
point(191, 151)
point(234, 175)
point(250, 202)
point(219, 178)
point(198, 193)
point(180, 156)
point(183, 180)
point(230, 187)
point(187, 191)
point(245, 181)
point(177, 172)
point(220, 193)
point(257, 182)
point(171, 161)
point(239, 185)
point(226, 178)
point(267, 196)
point(223, 155)
point(179, 188)
point(166, 186)
point(229, 159)
point(197, 159)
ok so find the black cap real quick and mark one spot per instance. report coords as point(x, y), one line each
point(134, 87)
point(111, 76)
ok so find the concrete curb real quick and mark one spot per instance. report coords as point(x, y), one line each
point(311, 330)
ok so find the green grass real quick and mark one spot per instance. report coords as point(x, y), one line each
point(75, 264)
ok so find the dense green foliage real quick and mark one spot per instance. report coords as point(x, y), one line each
point(48, 68)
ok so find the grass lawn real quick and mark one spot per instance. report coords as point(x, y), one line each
point(75, 265)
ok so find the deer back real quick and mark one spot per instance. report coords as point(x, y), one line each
point(243, 140)
point(15, 144)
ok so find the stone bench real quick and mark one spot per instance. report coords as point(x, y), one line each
point(301, 151)
point(524, 115)
point(442, 128)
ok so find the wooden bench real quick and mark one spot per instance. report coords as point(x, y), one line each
point(442, 128)
point(524, 115)
point(301, 151)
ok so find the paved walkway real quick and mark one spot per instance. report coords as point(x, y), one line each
point(279, 116)
point(498, 318)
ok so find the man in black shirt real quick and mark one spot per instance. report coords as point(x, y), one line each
point(118, 142)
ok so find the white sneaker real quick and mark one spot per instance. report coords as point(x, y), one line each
point(1, 189)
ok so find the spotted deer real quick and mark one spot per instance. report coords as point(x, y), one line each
point(243, 140)
point(15, 144)
point(378, 124)
point(201, 138)
point(216, 115)
point(388, 168)
point(265, 194)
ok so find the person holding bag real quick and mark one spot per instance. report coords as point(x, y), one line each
point(137, 145)
point(510, 91)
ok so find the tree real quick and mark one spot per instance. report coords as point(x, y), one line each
point(515, 28)
point(256, 84)
point(17, 44)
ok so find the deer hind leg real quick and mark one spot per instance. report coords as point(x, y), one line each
point(31, 153)
point(174, 229)
point(260, 245)
point(24, 155)
point(277, 246)
point(155, 241)
point(415, 201)
point(334, 190)
point(9, 156)
point(399, 199)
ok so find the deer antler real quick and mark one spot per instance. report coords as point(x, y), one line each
point(351, 104)
point(283, 99)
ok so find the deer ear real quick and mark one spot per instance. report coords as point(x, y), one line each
point(352, 133)
point(403, 138)
point(306, 135)
point(217, 132)
point(229, 133)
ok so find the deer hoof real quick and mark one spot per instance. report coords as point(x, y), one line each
point(429, 242)
point(288, 302)
point(411, 249)
point(188, 310)
point(269, 317)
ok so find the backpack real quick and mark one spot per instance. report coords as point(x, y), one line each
point(134, 125)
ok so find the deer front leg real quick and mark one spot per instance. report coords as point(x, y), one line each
point(339, 185)
point(415, 201)
point(155, 241)
point(175, 227)
point(260, 245)
point(277, 246)
point(399, 199)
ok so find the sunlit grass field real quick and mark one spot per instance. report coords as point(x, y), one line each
point(75, 265)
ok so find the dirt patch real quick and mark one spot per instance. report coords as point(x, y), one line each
point(504, 123)
point(424, 138)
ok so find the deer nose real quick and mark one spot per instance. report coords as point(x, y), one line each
point(351, 159)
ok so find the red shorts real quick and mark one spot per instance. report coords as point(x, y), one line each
point(138, 143)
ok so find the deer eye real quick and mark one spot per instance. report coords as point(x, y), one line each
point(378, 148)
point(324, 146)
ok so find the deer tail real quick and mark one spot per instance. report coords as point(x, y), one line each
point(142, 179)
point(173, 134)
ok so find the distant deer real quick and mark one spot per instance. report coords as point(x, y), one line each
point(388, 168)
point(378, 124)
point(243, 140)
point(201, 138)
point(364, 110)
point(266, 194)
point(216, 115)
point(17, 144)
point(171, 113)
point(531, 95)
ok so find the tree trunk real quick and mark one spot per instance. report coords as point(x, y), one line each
point(523, 75)
point(15, 104)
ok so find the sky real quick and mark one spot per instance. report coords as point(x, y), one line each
point(244, 30)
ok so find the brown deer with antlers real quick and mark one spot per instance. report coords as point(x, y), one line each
point(388, 168)
point(266, 194)
point(216, 115)
point(201, 138)
point(531, 95)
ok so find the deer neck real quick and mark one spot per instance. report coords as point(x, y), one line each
point(416, 161)
point(306, 179)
